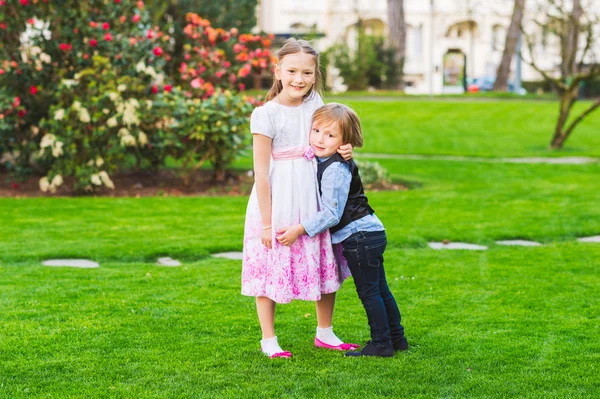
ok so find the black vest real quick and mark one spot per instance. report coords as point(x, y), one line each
point(357, 205)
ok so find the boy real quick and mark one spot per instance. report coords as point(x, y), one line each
point(351, 222)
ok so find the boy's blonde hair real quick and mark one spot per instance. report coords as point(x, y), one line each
point(345, 118)
point(295, 46)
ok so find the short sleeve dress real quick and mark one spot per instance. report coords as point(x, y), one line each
point(308, 268)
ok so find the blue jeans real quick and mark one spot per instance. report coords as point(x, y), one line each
point(364, 253)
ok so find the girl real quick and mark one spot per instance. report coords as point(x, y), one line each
point(285, 192)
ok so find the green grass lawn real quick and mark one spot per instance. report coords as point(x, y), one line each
point(485, 129)
point(507, 322)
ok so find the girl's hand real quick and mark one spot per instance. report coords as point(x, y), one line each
point(289, 235)
point(346, 151)
point(266, 238)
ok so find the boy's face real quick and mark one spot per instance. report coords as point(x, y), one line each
point(325, 139)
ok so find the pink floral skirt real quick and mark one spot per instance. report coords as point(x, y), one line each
point(305, 270)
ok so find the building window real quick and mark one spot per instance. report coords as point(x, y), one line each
point(498, 36)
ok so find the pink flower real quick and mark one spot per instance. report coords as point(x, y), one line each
point(196, 83)
point(108, 37)
point(24, 2)
point(122, 19)
point(309, 153)
point(140, 4)
point(105, 26)
point(1, 71)
point(136, 18)
point(64, 46)
point(168, 88)
point(158, 51)
point(33, 90)
point(154, 89)
point(93, 42)
point(117, 1)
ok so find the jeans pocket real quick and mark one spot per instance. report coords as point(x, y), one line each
point(351, 256)
point(374, 254)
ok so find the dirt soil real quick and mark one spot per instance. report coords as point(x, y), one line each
point(163, 184)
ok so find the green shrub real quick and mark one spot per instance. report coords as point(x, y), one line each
point(373, 174)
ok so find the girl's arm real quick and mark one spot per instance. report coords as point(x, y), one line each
point(346, 151)
point(261, 146)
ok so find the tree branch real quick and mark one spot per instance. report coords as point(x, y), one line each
point(581, 117)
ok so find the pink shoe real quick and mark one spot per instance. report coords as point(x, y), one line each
point(340, 347)
point(284, 354)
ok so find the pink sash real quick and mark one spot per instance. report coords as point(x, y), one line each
point(294, 153)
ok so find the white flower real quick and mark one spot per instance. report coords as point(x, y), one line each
point(148, 104)
point(123, 132)
point(106, 180)
point(69, 82)
point(121, 87)
point(84, 115)
point(105, 111)
point(130, 116)
point(150, 71)
point(57, 149)
point(140, 66)
point(76, 106)
point(35, 130)
point(128, 140)
point(95, 179)
point(45, 58)
point(113, 96)
point(142, 138)
point(112, 122)
point(44, 184)
point(47, 140)
point(59, 114)
point(99, 161)
point(57, 181)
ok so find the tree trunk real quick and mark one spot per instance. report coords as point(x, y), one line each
point(512, 36)
point(397, 36)
point(567, 99)
point(569, 64)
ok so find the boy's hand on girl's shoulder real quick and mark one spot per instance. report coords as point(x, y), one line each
point(346, 151)
point(288, 235)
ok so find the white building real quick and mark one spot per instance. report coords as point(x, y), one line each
point(477, 28)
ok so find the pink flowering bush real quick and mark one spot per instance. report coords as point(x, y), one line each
point(84, 93)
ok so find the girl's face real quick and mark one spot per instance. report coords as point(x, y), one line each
point(325, 138)
point(297, 75)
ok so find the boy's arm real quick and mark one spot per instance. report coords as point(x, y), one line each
point(335, 186)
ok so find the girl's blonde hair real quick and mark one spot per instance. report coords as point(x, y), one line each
point(295, 46)
point(345, 118)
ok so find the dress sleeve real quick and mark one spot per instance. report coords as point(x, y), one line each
point(260, 122)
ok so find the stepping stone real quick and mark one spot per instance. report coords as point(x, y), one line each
point(589, 239)
point(80, 263)
point(520, 243)
point(166, 261)
point(457, 245)
point(230, 255)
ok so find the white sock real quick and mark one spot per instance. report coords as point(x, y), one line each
point(327, 336)
point(270, 346)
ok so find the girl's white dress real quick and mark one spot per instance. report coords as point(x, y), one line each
point(308, 268)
